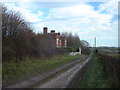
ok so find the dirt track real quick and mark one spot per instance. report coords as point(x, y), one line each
point(64, 79)
point(60, 81)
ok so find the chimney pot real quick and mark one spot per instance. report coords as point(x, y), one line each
point(52, 31)
point(45, 30)
point(58, 34)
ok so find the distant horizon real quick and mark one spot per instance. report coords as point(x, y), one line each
point(86, 19)
point(108, 46)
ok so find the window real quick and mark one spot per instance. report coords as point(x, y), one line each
point(57, 41)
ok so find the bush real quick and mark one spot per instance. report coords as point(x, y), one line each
point(8, 53)
point(112, 67)
point(71, 49)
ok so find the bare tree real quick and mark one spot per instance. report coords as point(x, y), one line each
point(85, 47)
point(17, 35)
point(73, 42)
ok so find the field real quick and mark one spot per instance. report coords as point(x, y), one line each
point(13, 72)
point(108, 50)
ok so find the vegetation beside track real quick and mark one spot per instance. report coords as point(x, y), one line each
point(13, 71)
point(102, 72)
point(94, 76)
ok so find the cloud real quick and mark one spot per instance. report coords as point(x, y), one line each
point(74, 11)
point(54, 1)
point(80, 18)
point(110, 7)
point(85, 21)
point(27, 14)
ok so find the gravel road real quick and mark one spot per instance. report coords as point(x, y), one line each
point(63, 80)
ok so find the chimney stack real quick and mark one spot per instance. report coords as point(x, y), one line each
point(58, 34)
point(45, 30)
point(52, 31)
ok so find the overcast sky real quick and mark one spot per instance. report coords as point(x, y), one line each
point(87, 19)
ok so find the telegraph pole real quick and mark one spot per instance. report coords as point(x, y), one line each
point(95, 50)
point(95, 43)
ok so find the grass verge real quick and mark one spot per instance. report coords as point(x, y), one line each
point(94, 76)
point(13, 72)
